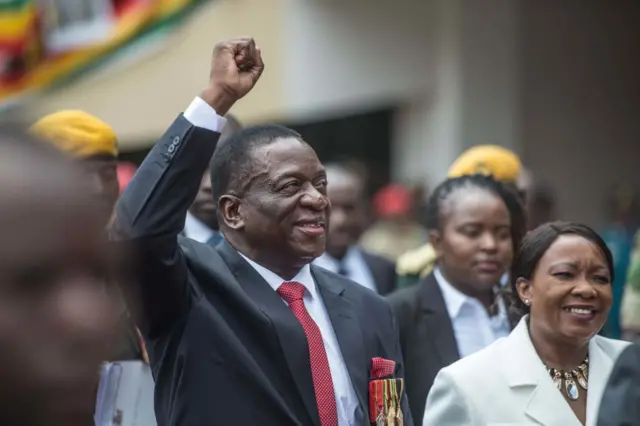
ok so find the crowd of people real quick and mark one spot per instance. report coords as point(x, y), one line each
point(246, 274)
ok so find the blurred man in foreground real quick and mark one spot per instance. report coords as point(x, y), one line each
point(55, 317)
point(502, 164)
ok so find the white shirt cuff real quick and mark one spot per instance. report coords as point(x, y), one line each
point(201, 114)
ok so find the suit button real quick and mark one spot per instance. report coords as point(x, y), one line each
point(173, 145)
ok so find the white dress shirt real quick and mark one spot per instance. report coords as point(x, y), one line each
point(201, 114)
point(473, 327)
point(197, 230)
point(346, 398)
point(353, 263)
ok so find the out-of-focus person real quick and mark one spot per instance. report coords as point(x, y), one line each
point(201, 223)
point(90, 140)
point(125, 172)
point(553, 368)
point(395, 231)
point(55, 317)
point(420, 198)
point(94, 144)
point(620, 404)
point(501, 163)
point(458, 309)
point(347, 221)
point(619, 235)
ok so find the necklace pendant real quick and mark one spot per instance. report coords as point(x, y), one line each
point(582, 381)
point(570, 387)
point(584, 369)
point(557, 380)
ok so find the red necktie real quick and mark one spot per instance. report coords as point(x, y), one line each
point(292, 293)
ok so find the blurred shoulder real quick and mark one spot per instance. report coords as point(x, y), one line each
point(377, 258)
point(404, 297)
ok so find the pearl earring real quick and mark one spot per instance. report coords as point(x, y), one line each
point(527, 302)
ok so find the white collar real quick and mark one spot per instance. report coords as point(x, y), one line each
point(454, 299)
point(304, 277)
point(196, 229)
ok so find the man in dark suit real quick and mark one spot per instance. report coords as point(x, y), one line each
point(247, 333)
point(348, 220)
point(620, 405)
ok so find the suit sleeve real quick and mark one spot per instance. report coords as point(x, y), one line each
point(620, 403)
point(151, 213)
point(447, 404)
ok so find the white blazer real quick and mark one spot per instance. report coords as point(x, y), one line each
point(507, 384)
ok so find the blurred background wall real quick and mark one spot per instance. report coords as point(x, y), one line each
point(406, 85)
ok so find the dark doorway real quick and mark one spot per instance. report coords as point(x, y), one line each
point(364, 138)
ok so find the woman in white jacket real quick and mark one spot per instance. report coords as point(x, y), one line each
point(551, 370)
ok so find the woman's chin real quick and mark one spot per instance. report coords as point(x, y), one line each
point(579, 334)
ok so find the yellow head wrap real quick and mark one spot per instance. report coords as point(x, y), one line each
point(77, 133)
point(502, 164)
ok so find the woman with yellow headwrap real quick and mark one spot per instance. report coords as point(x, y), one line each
point(501, 163)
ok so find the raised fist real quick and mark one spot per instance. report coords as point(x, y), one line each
point(236, 66)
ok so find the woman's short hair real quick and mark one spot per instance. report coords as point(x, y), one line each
point(446, 189)
point(536, 243)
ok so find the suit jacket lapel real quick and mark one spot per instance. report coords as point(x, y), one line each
point(524, 370)
point(347, 330)
point(291, 335)
point(437, 321)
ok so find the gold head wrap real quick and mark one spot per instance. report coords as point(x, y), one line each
point(502, 164)
point(77, 133)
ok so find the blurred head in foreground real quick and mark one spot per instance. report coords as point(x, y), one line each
point(86, 138)
point(55, 316)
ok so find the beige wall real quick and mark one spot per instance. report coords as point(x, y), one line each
point(581, 99)
point(140, 99)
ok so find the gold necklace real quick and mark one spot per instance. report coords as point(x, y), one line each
point(568, 379)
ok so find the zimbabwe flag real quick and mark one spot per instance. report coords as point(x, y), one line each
point(26, 62)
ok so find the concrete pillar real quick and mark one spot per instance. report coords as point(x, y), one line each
point(474, 95)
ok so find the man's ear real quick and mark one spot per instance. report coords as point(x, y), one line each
point(230, 208)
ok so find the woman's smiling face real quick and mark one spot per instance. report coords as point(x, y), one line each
point(570, 291)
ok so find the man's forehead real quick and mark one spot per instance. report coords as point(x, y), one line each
point(284, 157)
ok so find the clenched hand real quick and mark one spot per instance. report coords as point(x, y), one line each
point(236, 66)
